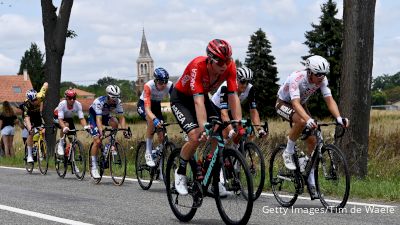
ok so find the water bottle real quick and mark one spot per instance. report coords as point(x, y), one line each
point(67, 149)
point(303, 159)
point(34, 150)
point(154, 154)
point(105, 150)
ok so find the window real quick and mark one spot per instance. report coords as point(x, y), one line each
point(17, 89)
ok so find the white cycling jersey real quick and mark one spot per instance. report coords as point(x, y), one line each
point(298, 86)
point(65, 112)
point(151, 93)
point(101, 107)
point(248, 93)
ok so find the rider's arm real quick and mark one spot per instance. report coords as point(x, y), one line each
point(234, 103)
point(81, 116)
point(147, 102)
point(28, 124)
point(332, 106)
point(298, 108)
point(255, 118)
point(122, 121)
point(99, 124)
point(61, 122)
point(42, 92)
point(201, 113)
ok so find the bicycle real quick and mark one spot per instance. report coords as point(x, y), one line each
point(74, 155)
point(329, 163)
point(237, 180)
point(146, 174)
point(112, 156)
point(39, 150)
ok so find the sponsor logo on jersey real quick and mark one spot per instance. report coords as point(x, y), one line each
point(193, 79)
point(179, 115)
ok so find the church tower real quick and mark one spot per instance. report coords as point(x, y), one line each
point(145, 65)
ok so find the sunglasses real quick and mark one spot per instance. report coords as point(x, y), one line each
point(73, 98)
point(243, 81)
point(320, 74)
point(222, 63)
point(161, 81)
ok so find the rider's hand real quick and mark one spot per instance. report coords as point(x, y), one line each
point(65, 130)
point(203, 137)
point(262, 133)
point(311, 123)
point(231, 133)
point(87, 127)
point(157, 122)
point(342, 121)
point(127, 135)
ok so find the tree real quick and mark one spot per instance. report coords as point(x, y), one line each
point(55, 35)
point(326, 40)
point(385, 82)
point(238, 63)
point(33, 62)
point(379, 98)
point(260, 60)
point(355, 96)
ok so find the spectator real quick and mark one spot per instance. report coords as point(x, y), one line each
point(7, 121)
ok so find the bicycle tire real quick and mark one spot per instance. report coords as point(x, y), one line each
point(172, 165)
point(144, 173)
point(235, 167)
point(256, 162)
point(43, 157)
point(332, 157)
point(117, 173)
point(168, 148)
point(28, 166)
point(100, 159)
point(78, 160)
point(60, 163)
point(277, 168)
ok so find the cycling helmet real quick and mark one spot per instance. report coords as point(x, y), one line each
point(244, 74)
point(31, 94)
point(317, 64)
point(113, 91)
point(70, 93)
point(161, 74)
point(219, 50)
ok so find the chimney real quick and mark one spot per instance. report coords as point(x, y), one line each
point(25, 75)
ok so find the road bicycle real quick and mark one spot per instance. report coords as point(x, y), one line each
point(111, 155)
point(146, 174)
point(74, 156)
point(331, 172)
point(39, 150)
point(235, 207)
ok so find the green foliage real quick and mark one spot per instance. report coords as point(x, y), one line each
point(238, 63)
point(326, 40)
point(260, 60)
point(378, 98)
point(393, 94)
point(385, 82)
point(33, 62)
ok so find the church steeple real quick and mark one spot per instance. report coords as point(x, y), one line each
point(145, 65)
point(144, 49)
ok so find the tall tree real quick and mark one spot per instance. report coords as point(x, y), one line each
point(260, 60)
point(326, 40)
point(55, 35)
point(33, 62)
point(359, 17)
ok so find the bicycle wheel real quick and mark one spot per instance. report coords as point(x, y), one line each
point(283, 181)
point(100, 164)
point(255, 160)
point(332, 178)
point(60, 162)
point(144, 173)
point(168, 148)
point(28, 166)
point(78, 160)
point(184, 207)
point(117, 162)
point(236, 207)
point(43, 157)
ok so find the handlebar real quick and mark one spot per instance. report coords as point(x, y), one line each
point(308, 132)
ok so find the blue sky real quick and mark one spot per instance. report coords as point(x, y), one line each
point(109, 33)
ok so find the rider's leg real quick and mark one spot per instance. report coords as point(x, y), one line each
point(29, 143)
point(149, 142)
point(311, 142)
point(298, 125)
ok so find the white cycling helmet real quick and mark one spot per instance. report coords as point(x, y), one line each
point(113, 91)
point(317, 64)
point(244, 74)
point(31, 94)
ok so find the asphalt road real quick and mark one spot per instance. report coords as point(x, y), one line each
point(37, 199)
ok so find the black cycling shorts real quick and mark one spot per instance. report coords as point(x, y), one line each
point(184, 110)
point(155, 109)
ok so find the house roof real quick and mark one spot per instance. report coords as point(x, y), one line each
point(82, 93)
point(13, 88)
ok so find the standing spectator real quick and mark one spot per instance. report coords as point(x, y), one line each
point(7, 121)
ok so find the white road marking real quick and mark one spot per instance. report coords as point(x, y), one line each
point(41, 215)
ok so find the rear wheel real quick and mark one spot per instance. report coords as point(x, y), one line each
point(144, 173)
point(60, 162)
point(28, 166)
point(255, 161)
point(168, 148)
point(236, 207)
point(283, 181)
point(100, 162)
point(43, 157)
point(117, 162)
point(78, 160)
point(183, 207)
point(332, 178)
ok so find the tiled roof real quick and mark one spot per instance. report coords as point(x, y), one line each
point(82, 93)
point(13, 88)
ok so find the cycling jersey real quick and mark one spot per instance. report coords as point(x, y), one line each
point(298, 86)
point(101, 107)
point(220, 97)
point(151, 93)
point(196, 81)
point(33, 111)
point(64, 111)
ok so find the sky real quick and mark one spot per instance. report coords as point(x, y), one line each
point(110, 32)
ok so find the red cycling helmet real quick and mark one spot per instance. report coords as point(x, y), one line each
point(219, 50)
point(70, 93)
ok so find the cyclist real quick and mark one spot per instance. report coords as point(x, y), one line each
point(63, 114)
point(149, 108)
point(291, 106)
point(32, 115)
point(190, 102)
point(245, 92)
point(99, 115)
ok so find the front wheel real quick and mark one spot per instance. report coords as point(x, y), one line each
point(255, 161)
point(144, 173)
point(100, 162)
point(78, 160)
point(60, 162)
point(332, 178)
point(28, 166)
point(117, 162)
point(43, 157)
point(235, 207)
